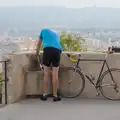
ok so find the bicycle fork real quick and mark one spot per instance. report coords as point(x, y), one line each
point(70, 81)
point(114, 83)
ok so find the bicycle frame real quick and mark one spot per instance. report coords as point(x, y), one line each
point(96, 85)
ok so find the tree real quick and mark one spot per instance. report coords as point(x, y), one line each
point(71, 42)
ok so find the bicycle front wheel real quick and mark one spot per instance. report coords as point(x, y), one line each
point(72, 82)
point(110, 84)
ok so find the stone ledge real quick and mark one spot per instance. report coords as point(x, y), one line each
point(19, 63)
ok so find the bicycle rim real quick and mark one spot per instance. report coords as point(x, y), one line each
point(72, 82)
point(110, 89)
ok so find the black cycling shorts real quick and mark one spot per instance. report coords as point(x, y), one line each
point(51, 56)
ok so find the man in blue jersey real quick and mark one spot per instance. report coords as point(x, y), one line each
point(51, 56)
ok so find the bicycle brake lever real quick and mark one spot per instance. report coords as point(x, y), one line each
point(79, 56)
point(68, 55)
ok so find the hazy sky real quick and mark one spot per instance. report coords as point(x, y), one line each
point(66, 3)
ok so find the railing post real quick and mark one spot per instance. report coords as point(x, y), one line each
point(6, 82)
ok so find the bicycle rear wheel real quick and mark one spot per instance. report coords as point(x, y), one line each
point(109, 88)
point(72, 82)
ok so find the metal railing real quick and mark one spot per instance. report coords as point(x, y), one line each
point(5, 80)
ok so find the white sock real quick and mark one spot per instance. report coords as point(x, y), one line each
point(55, 95)
point(44, 94)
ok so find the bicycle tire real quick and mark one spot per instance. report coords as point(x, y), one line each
point(103, 82)
point(63, 90)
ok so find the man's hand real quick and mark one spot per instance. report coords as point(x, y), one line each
point(38, 47)
point(41, 66)
point(37, 53)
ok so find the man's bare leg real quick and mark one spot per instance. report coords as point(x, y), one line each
point(45, 82)
point(46, 78)
point(55, 82)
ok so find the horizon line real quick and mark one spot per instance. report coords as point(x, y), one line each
point(93, 6)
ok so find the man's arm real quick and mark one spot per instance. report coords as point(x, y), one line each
point(38, 47)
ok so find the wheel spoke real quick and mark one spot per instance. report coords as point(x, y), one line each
point(104, 85)
point(71, 82)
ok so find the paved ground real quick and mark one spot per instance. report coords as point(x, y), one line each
point(67, 109)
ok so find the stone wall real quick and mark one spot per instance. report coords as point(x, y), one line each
point(26, 79)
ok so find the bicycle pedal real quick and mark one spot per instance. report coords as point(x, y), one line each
point(98, 94)
point(70, 82)
point(93, 79)
point(117, 90)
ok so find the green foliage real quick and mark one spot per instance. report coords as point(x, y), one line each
point(72, 42)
